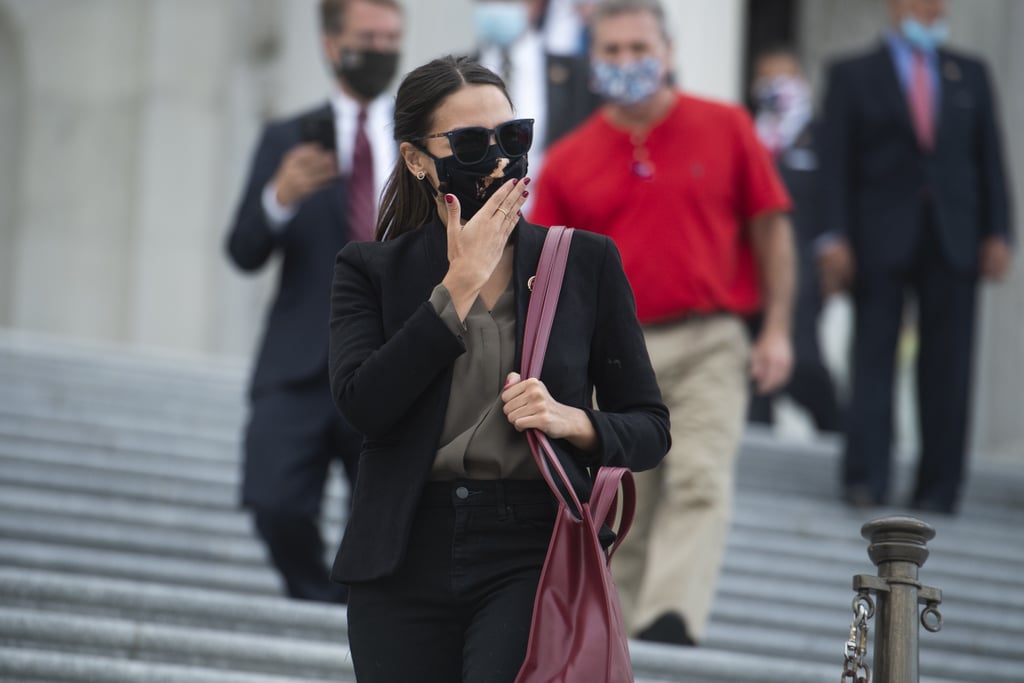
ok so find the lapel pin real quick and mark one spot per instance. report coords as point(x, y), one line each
point(529, 283)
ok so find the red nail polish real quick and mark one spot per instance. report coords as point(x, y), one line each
point(449, 198)
point(526, 181)
point(515, 181)
point(526, 193)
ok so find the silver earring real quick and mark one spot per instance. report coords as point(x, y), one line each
point(421, 175)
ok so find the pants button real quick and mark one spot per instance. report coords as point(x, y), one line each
point(462, 493)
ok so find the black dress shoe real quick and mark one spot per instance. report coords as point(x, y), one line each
point(668, 628)
point(860, 497)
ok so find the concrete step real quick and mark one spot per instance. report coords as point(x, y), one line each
point(173, 644)
point(180, 490)
point(217, 468)
point(121, 434)
point(28, 664)
point(102, 403)
point(56, 470)
point(20, 349)
point(32, 556)
point(161, 603)
point(106, 508)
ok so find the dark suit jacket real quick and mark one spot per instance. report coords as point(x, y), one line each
point(391, 372)
point(294, 346)
point(877, 179)
point(570, 100)
point(799, 166)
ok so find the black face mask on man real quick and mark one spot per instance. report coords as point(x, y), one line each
point(367, 72)
point(474, 184)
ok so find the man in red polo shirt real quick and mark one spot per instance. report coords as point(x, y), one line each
point(693, 202)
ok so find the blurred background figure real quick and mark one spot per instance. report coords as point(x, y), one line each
point(689, 195)
point(567, 26)
point(784, 117)
point(313, 186)
point(915, 199)
point(551, 89)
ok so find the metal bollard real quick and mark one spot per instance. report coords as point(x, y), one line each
point(899, 547)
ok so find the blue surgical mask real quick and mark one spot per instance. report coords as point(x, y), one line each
point(630, 83)
point(925, 37)
point(500, 23)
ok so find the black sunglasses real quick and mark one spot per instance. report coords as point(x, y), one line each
point(470, 144)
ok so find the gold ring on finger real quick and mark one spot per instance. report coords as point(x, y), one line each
point(503, 212)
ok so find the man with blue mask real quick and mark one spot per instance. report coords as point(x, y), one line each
point(698, 212)
point(550, 89)
point(916, 199)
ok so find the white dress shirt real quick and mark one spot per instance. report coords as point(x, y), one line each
point(379, 129)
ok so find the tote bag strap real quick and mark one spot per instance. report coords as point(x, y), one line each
point(604, 501)
point(540, 315)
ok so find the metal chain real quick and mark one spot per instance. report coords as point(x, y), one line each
point(854, 668)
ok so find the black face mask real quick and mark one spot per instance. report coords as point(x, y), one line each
point(474, 184)
point(367, 72)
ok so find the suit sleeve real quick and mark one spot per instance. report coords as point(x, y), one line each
point(251, 240)
point(632, 423)
point(375, 381)
point(996, 213)
point(835, 155)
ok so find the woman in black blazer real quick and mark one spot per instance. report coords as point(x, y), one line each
point(450, 519)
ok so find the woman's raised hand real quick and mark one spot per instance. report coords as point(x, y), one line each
point(475, 248)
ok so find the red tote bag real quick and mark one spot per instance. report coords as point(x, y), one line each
point(577, 634)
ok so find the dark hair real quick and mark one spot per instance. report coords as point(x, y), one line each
point(407, 202)
point(332, 12)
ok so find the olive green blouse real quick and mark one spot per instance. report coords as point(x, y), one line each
point(478, 441)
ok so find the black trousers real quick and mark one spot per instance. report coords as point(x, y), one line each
point(459, 607)
point(293, 435)
point(946, 314)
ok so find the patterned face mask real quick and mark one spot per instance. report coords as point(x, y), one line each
point(630, 83)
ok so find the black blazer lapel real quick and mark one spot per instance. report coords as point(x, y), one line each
point(950, 80)
point(892, 89)
point(529, 242)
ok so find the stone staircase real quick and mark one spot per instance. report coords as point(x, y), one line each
point(123, 555)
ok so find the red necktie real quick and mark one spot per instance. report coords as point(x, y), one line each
point(361, 198)
point(922, 101)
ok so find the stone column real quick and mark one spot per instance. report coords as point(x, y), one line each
point(183, 147)
point(77, 199)
point(11, 100)
point(708, 46)
point(990, 29)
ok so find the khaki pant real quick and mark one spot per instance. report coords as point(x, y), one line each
point(671, 558)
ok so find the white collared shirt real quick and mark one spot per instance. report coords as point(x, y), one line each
point(379, 129)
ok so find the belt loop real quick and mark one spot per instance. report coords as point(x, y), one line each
point(499, 494)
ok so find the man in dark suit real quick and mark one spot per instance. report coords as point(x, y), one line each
point(915, 198)
point(551, 89)
point(784, 116)
point(313, 187)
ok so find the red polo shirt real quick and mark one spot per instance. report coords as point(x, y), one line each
point(682, 229)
